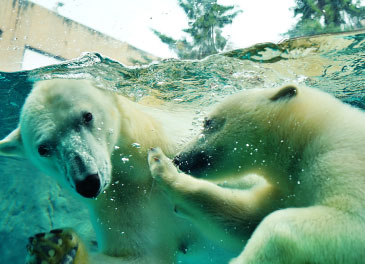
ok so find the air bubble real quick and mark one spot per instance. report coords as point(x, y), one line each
point(136, 145)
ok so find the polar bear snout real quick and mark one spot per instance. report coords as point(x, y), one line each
point(89, 187)
point(192, 163)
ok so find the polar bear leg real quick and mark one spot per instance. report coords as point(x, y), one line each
point(199, 191)
point(317, 234)
point(222, 212)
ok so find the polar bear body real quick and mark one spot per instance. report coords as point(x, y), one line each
point(95, 143)
point(308, 147)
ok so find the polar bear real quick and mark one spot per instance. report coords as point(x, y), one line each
point(307, 146)
point(95, 142)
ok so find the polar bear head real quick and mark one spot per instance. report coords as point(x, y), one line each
point(67, 130)
point(246, 132)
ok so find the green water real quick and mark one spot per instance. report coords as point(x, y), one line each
point(31, 202)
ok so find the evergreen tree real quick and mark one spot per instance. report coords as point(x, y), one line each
point(323, 16)
point(206, 18)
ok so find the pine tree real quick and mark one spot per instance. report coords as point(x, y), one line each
point(206, 18)
point(324, 16)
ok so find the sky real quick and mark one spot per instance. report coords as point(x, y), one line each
point(131, 20)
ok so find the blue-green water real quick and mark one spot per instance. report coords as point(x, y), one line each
point(31, 202)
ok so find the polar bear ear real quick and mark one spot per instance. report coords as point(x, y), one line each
point(287, 92)
point(12, 145)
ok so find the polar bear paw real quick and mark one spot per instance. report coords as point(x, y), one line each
point(161, 167)
point(60, 246)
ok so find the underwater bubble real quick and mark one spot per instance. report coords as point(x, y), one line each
point(116, 147)
point(125, 160)
point(51, 252)
point(136, 145)
point(298, 182)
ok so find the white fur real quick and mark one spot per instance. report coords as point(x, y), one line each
point(309, 149)
point(133, 220)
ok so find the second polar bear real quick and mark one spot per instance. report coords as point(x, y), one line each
point(95, 142)
point(309, 149)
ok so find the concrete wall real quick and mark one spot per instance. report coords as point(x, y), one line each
point(24, 24)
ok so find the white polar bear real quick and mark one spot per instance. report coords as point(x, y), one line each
point(308, 147)
point(95, 142)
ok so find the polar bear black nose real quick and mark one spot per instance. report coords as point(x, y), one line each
point(89, 187)
point(191, 163)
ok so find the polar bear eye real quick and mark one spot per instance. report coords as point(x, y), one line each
point(44, 151)
point(208, 123)
point(87, 117)
point(213, 124)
